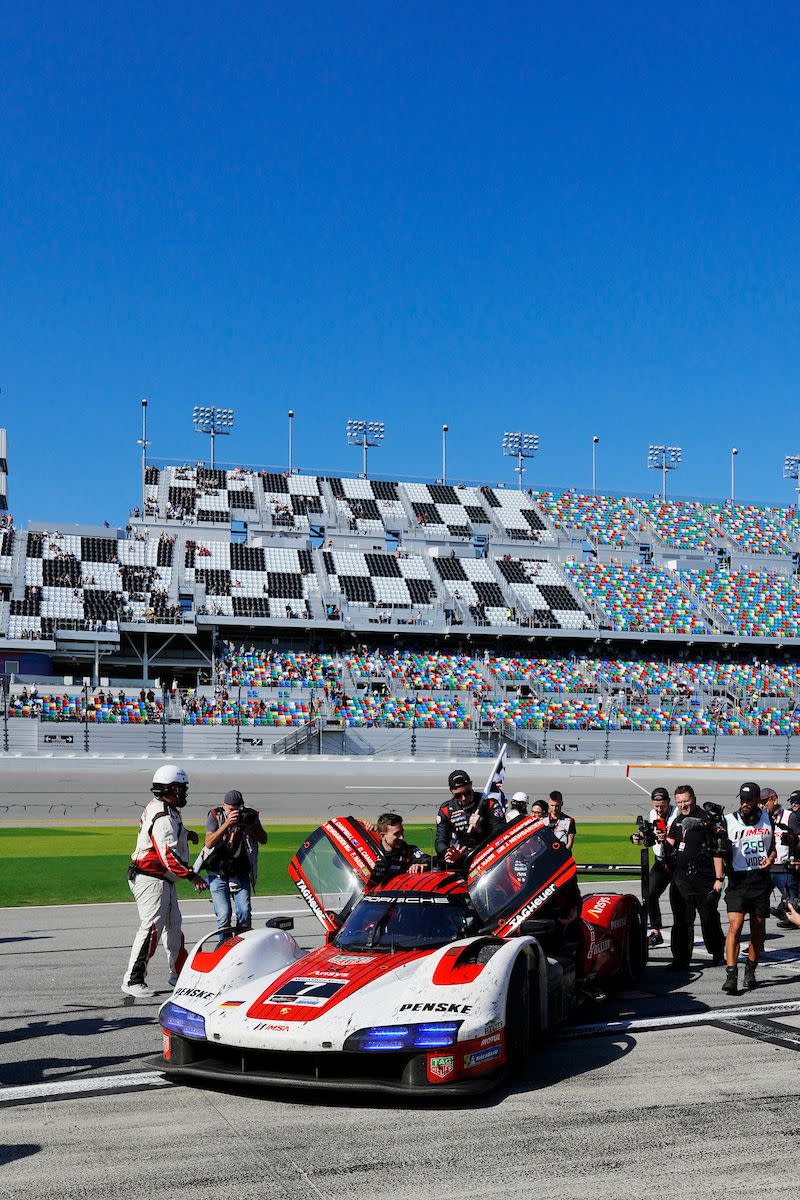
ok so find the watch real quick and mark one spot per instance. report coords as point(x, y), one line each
point(720, 879)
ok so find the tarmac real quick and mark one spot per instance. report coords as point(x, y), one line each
point(660, 1090)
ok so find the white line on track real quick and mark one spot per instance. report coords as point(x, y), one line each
point(653, 1024)
point(382, 787)
point(65, 1088)
point(273, 912)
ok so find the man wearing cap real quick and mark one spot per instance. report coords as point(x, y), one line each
point(752, 852)
point(661, 817)
point(784, 875)
point(233, 835)
point(697, 846)
point(466, 820)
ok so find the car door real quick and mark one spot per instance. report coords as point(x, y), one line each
point(517, 873)
point(332, 868)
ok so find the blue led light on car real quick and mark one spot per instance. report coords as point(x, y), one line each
point(429, 1036)
point(183, 1020)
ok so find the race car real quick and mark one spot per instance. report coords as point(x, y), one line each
point(433, 981)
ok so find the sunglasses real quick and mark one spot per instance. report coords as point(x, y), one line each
point(464, 792)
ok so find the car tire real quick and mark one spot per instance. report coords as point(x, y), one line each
point(518, 1020)
point(634, 954)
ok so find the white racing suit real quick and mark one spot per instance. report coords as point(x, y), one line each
point(161, 857)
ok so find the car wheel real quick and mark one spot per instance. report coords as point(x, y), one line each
point(518, 1020)
point(633, 951)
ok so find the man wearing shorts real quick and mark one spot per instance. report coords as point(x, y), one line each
point(751, 838)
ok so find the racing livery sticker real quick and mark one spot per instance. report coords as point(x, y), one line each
point(311, 993)
point(440, 1066)
point(479, 1058)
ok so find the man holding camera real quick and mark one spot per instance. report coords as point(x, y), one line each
point(751, 837)
point(233, 835)
point(653, 833)
point(697, 840)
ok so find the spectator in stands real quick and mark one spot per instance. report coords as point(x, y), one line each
point(561, 823)
point(230, 857)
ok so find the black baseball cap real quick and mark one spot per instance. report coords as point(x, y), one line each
point(234, 798)
point(660, 793)
point(794, 798)
point(750, 791)
point(457, 779)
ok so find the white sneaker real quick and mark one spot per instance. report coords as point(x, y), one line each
point(173, 978)
point(140, 990)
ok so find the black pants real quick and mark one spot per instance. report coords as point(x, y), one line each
point(690, 897)
point(660, 879)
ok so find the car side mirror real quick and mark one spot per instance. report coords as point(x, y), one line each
point(285, 923)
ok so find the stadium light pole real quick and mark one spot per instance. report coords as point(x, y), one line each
point(520, 446)
point(444, 454)
point(291, 428)
point(214, 422)
point(595, 440)
point(791, 470)
point(366, 434)
point(734, 452)
point(664, 459)
point(143, 442)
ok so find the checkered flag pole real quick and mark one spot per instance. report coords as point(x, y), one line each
point(498, 772)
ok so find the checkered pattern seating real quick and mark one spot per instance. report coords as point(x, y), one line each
point(449, 512)
point(541, 589)
point(516, 515)
point(368, 505)
point(378, 579)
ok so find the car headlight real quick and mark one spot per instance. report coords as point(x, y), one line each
point(183, 1020)
point(429, 1036)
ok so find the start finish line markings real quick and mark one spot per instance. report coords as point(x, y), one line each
point(682, 1020)
point(67, 1089)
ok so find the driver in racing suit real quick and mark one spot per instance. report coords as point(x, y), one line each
point(396, 855)
point(466, 820)
point(160, 857)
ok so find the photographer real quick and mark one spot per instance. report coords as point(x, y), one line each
point(697, 840)
point(233, 835)
point(752, 853)
point(783, 871)
point(653, 833)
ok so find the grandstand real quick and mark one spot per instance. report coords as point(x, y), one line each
point(371, 603)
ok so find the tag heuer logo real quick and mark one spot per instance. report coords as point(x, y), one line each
point(442, 1066)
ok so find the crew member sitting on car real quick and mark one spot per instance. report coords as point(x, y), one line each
point(466, 820)
point(396, 855)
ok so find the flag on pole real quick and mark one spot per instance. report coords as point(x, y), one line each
point(494, 783)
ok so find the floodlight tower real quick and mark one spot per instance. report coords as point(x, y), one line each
point(366, 434)
point(791, 470)
point(520, 446)
point(214, 422)
point(143, 442)
point(663, 459)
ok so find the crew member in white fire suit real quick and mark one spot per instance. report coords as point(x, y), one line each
point(161, 856)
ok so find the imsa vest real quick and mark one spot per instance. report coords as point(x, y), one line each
point(750, 843)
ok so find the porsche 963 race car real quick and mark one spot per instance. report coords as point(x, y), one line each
point(431, 981)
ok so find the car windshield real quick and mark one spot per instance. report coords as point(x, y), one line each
point(516, 873)
point(405, 922)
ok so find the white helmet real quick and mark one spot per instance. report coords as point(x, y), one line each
point(171, 780)
point(519, 798)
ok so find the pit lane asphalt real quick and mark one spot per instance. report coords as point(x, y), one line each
point(598, 1115)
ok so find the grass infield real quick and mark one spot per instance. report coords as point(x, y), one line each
point(87, 864)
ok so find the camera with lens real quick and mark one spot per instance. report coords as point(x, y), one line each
point(646, 831)
point(781, 910)
point(788, 836)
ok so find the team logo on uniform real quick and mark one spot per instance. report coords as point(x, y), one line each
point(441, 1066)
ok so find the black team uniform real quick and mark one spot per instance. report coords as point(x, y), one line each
point(696, 843)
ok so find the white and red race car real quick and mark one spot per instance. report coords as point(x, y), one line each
point(431, 981)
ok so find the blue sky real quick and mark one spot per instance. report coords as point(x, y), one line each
point(572, 220)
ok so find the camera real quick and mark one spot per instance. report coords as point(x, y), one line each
point(781, 911)
point(788, 836)
point(646, 831)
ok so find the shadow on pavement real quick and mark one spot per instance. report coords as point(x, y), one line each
point(9, 1154)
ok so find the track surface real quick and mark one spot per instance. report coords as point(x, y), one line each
point(613, 1113)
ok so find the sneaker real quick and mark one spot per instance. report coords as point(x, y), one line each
point(172, 978)
point(731, 984)
point(749, 982)
point(656, 939)
point(784, 924)
point(140, 990)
